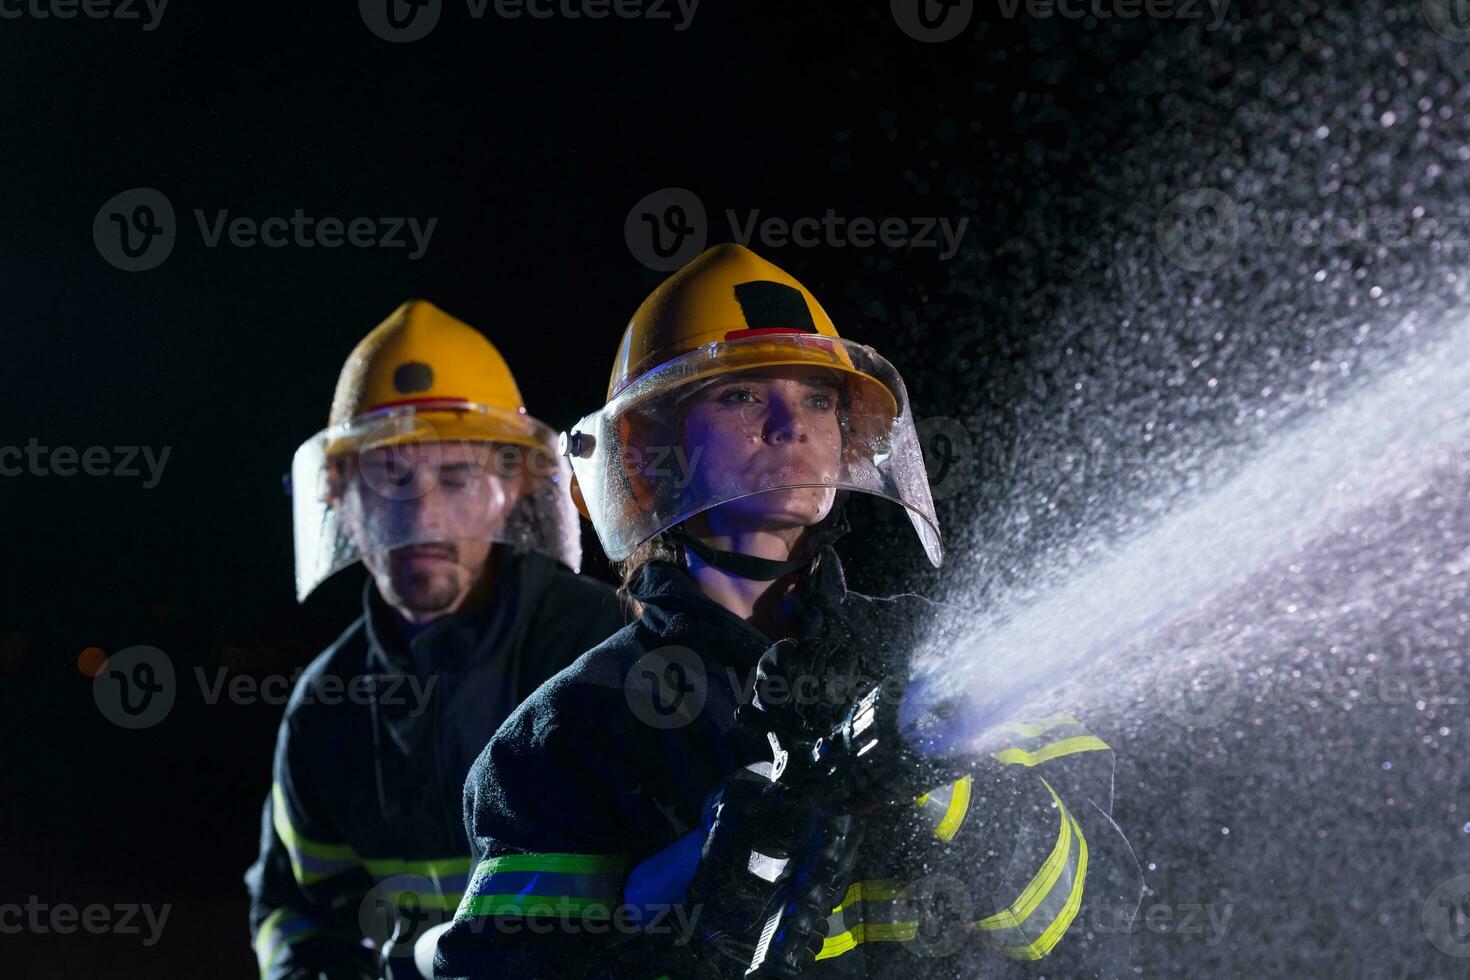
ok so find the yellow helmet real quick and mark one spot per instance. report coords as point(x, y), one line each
point(729, 311)
point(422, 358)
point(423, 377)
point(729, 293)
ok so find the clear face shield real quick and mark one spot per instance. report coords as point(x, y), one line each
point(437, 482)
point(769, 426)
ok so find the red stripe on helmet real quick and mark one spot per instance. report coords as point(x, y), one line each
point(736, 334)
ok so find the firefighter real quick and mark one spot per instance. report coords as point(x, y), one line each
point(637, 816)
point(431, 474)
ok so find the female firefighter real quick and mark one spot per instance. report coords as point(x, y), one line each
point(627, 823)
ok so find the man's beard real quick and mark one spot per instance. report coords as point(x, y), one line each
point(425, 590)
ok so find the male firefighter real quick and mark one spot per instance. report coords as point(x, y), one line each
point(431, 473)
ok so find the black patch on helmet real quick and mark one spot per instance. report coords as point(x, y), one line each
point(773, 304)
point(413, 376)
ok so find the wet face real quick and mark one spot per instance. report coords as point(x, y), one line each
point(773, 427)
point(423, 516)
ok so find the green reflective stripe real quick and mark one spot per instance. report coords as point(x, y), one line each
point(1054, 750)
point(279, 930)
point(1035, 922)
point(456, 867)
point(311, 860)
point(561, 863)
point(544, 884)
point(945, 808)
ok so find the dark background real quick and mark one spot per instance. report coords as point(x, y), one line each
point(530, 141)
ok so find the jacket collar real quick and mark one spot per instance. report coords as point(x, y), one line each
point(675, 607)
point(459, 637)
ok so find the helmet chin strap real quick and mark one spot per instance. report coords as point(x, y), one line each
point(764, 569)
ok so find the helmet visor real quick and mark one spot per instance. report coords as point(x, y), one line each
point(790, 418)
point(447, 474)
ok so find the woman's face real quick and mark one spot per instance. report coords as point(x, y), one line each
point(770, 427)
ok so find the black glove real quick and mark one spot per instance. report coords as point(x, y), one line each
point(748, 815)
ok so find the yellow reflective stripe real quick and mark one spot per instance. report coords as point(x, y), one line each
point(853, 895)
point(1038, 887)
point(311, 860)
point(1031, 729)
point(1067, 746)
point(844, 942)
point(959, 805)
point(277, 932)
point(1053, 934)
point(448, 901)
point(1043, 888)
point(867, 932)
point(882, 889)
point(859, 893)
point(440, 868)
